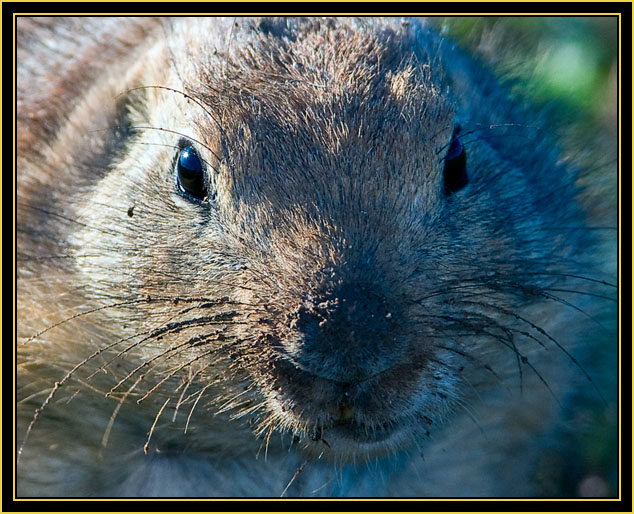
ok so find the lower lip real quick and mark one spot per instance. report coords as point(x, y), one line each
point(361, 434)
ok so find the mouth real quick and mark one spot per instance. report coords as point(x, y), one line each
point(344, 419)
point(363, 434)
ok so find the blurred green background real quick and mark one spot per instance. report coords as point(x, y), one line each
point(569, 60)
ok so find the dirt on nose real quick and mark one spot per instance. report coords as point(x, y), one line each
point(347, 334)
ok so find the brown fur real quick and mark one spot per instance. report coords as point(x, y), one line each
point(172, 347)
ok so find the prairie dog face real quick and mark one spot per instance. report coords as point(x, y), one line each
point(316, 182)
point(329, 229)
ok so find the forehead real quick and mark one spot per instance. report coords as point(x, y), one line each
point(344, 72)
point(316, 103)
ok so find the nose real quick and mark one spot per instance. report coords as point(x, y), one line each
point(347, 333)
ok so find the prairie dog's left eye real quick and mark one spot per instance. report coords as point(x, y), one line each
point(190, 173)
point(455, 172)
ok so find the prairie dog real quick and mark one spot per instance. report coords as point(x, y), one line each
point(310, 257)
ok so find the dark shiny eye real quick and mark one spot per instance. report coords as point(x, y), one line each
point(455, 172)
point(190, 173)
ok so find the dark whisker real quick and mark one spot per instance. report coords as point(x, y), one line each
point(542, 332)
point(584, 293)
point(66, 218)
point(567, 275)
point(192, 99)
point(471, 357)
point(146, 127)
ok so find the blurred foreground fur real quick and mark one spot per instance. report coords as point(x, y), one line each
point(338, 315)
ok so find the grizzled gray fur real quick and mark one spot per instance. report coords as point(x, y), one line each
point(299, 257)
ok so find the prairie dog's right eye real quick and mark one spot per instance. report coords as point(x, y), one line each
point(190, 173)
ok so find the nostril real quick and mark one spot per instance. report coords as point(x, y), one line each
point(347, 333)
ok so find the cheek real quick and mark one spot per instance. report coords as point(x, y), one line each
point(125, 218)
